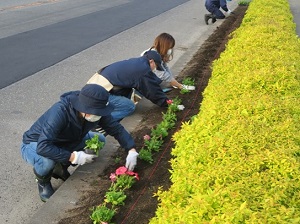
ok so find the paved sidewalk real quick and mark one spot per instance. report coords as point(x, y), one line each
point(295, 9)
point(68, 194)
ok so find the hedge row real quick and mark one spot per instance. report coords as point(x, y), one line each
point(238, 161)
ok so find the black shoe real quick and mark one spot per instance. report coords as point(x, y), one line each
point(213, 20)
point(206, 18)
point(210, 16)
point(61, 171)
point(45, 190)
point(44, 186)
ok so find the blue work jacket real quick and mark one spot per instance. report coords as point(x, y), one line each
point(60, 129)
point(135, 73)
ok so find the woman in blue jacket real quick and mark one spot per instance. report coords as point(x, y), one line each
point(56, 140)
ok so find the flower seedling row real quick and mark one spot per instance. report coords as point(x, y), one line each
point(123, 179)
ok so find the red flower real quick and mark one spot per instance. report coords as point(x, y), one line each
point(123, 170)
point(133, 174)
point(147, 137)
point(169, 102)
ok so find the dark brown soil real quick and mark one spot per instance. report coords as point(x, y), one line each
point(140, 205)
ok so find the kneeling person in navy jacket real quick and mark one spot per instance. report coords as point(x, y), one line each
point(57, 139)
point(123, 77)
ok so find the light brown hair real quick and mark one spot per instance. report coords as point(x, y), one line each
point(162, 43)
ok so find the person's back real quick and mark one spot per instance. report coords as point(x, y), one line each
point(120, 78)
point(134, 73)
point(62, 114)
point(126, 73)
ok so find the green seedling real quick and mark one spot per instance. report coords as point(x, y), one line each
point(102, 214)
point(189, 82)
point(94, 144)
point(146, 155)
point(115, 197)
point(122, 183)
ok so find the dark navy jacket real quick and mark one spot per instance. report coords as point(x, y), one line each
point(59, 130)
point(135, 73)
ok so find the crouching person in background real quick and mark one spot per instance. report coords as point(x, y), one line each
point(213, 6)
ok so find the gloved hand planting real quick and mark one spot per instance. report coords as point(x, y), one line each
point(131, 160)
point(82, 158)
point(180, 107)
point(229, 12)
point(174, 106)
point(188, 87)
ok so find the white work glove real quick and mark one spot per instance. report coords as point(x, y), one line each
point(229, 12)
point(131, 160)
point(188, 87)
point(82, 158)
point(180, 107)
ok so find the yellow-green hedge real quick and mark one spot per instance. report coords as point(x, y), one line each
point(239, 160)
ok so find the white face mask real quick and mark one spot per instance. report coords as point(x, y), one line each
point(169, 52)
point(154, 70)
point(92, 118)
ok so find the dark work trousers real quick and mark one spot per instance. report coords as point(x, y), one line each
point(214, 8)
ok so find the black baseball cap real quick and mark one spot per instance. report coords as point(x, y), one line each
point(155, 56)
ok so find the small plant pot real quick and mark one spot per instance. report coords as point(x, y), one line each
point(90, 151)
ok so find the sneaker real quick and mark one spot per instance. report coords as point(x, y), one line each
point(100, 130)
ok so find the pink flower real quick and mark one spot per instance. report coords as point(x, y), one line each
point(169, 102)
point(121, 170)
point(147, 137)
point(133, 174)
point(113, 177)
point(104, 222)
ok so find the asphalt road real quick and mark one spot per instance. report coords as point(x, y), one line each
point(48, 59)
point(28, 52)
